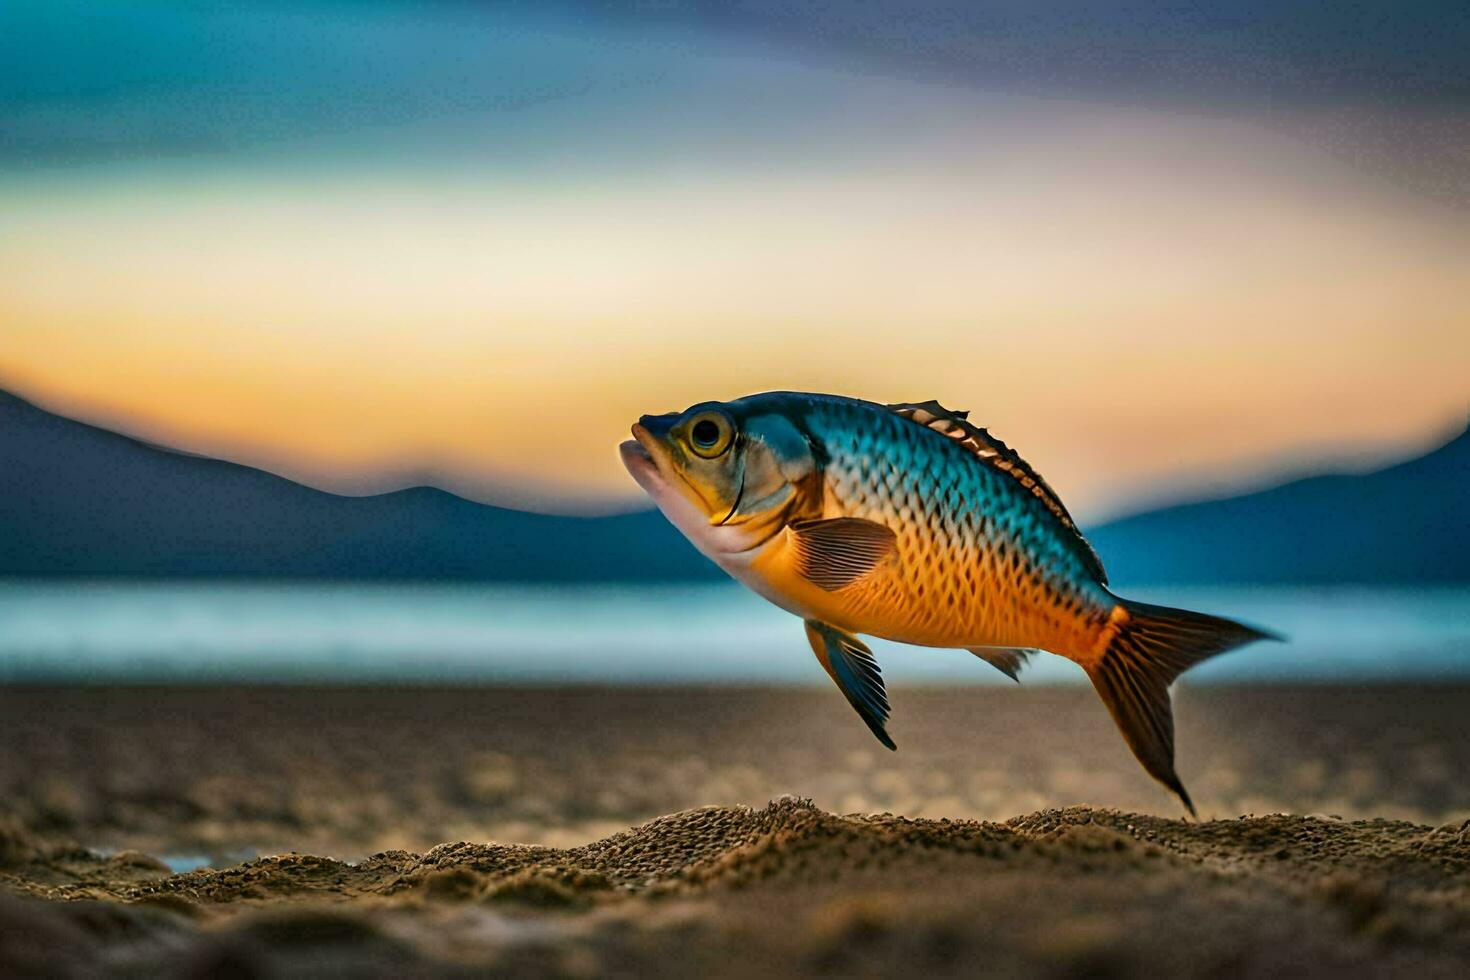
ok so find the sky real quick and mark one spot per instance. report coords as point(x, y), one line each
point(376, 244)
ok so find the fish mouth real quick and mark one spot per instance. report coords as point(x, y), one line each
point(649, 462)
point(638, 458)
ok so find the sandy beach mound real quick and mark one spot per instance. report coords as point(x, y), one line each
point(104, 793)
point(785, 888)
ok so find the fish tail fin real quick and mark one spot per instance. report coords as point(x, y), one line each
point(1140, 652)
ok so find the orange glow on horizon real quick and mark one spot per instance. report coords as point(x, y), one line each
point(1143, 301)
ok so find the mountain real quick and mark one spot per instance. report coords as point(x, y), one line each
point(1406, 523)
point(79, 500)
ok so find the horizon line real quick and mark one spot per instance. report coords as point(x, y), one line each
point(1269, 479)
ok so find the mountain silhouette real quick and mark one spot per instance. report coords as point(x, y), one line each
point(1405, 523)
point(79, 500)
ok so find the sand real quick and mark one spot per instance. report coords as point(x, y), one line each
point(1097, 875)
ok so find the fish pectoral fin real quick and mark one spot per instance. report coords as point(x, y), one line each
point(833, 554)
point(850, 663)
point(1007, 660)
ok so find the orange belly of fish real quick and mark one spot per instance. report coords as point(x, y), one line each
point(943, 605)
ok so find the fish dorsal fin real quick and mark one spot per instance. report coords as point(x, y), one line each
point(996, 454)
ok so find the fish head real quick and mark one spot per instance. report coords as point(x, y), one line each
point(727, 474)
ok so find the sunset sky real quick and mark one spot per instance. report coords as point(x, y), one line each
point(380, 244)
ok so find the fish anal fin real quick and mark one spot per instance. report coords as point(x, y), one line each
point(850, 664)
point(1007, 660)
point(833, 554)
point(1143, 649)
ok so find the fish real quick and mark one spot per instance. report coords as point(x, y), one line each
point(909, 523)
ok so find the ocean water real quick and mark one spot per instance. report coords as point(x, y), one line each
point(104, 632)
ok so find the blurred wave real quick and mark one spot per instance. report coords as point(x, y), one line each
point(96, 632)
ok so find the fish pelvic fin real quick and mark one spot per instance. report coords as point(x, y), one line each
point(1143, 648)
point(850, 663)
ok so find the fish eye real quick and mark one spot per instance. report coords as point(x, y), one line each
point(710, 434)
